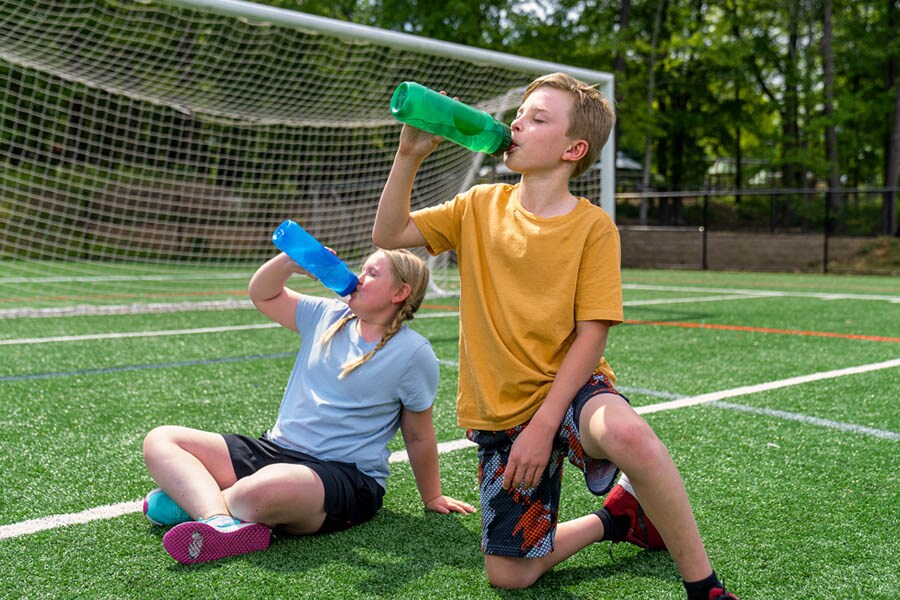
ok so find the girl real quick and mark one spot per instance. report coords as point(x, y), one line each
point(359, 375)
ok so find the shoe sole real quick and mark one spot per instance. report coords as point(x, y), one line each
point(197, 542)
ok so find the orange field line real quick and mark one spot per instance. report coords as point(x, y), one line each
point(847, 336)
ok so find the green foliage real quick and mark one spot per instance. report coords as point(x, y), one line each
point(739, 78)
point(733, 79)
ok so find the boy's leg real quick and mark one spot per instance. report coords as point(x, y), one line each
point(517, 573)
point(611, 429)
point(191, 466)
point(521, 539)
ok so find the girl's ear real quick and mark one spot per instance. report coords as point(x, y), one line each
point(401, 293)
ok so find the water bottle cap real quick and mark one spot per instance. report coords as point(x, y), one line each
point(504, 143)
point(399, 97)
point(351, 287)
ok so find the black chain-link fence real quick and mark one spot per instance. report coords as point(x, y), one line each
point(773, 229)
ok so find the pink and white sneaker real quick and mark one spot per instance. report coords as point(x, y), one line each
point(214, 538)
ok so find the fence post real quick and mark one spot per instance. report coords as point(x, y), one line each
point(703, 230)
point(825, 227)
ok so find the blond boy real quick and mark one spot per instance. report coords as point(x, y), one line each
point(541, 286)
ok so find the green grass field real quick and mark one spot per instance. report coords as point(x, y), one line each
point(795, 483)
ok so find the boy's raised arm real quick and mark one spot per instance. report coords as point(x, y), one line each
point(393, 226)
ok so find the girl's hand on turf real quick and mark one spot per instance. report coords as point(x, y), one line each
point(446, 505)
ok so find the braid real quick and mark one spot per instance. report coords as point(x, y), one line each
point(404, 314)
point(331, 331)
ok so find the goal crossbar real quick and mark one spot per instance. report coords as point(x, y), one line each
point(150, 147)
point(353, 31)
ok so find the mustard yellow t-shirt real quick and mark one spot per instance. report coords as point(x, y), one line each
point(525, 281)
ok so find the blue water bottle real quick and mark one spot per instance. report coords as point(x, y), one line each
point(306, 251)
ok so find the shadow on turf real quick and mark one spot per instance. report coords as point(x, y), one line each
point(390, 550)
point(387, 555)
point(628, 564)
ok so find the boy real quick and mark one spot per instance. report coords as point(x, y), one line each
point(525, 355)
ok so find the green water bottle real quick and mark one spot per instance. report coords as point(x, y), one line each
point(441, 115)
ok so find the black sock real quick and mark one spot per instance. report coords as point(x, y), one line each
point(614, 528)
point(699, 590)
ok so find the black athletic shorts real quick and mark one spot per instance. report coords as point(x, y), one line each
point(351, 496)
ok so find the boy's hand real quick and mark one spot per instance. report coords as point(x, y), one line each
point(528, 457)
point(417, 143)
point(446, 505)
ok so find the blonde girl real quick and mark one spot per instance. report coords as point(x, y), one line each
point(360, 374)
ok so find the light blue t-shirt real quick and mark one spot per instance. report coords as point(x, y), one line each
point(352, 419)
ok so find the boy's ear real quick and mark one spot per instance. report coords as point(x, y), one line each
point(401, 293)
point(576, 150)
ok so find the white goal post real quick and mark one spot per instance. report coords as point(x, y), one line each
point(143, 139)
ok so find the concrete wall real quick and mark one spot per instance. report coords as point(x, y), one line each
point(669, 247)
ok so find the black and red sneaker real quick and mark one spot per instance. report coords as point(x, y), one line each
point(641, 531)
point(720, 594)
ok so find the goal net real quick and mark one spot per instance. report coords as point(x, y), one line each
point(150, 148)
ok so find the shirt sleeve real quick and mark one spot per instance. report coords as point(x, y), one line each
point(418, 386)
point(599, 292)
point(441, 225)
point(310, 312)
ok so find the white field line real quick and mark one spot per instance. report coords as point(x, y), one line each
point(133, 334)
point(93, 310)
point(165, 332)
point(39, 279)
point(765, 387)
point(692, 300)
point(115, 510)
point(108, 511)
point(82, 310)
point(789, 416)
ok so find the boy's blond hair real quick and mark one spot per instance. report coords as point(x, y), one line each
point(406, 268)
point(592, 117)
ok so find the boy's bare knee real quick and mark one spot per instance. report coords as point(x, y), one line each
point(511, 573)
point(637, 440)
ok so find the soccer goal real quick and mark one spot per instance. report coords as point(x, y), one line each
point(145, 142)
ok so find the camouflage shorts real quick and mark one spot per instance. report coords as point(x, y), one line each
point(522, 523)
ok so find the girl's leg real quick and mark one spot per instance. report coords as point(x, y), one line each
point(611, 429)
point(286, 495)
point(192, 467)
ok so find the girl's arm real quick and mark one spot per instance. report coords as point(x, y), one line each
point(421, 446)
point(268, 293)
